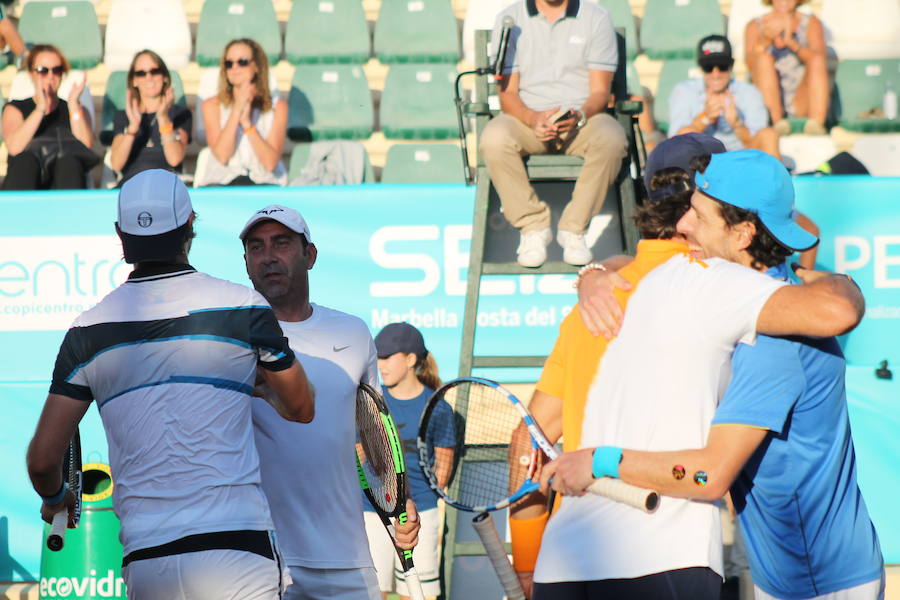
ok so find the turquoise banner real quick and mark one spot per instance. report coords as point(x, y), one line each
point(390, 253)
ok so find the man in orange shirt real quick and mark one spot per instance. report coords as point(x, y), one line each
point(560, 394)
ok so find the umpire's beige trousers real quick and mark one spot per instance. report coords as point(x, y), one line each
point(506, 140)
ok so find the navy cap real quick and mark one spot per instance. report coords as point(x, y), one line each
point(400, 337)
point(714, 50)
point(759, 183)
point(678, 151)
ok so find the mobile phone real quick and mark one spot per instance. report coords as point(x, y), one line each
point(563, 115)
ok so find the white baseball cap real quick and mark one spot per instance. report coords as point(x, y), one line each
point(288, 217)
point(154, 207)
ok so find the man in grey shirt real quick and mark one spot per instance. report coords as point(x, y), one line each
point(556, 83)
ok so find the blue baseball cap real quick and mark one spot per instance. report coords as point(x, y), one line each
point(759, 183)
point(400, 337)
point(678, 151)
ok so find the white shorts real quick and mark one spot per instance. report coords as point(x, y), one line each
point(221, 574)
point(425, 554)
point(873, 590)
point(334, 584)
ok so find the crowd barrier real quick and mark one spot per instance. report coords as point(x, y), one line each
point(389, 253)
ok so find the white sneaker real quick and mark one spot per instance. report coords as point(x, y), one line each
point(532, 251)
point(575, 251)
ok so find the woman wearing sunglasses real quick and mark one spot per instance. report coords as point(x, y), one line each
point(152, 132)
point(245, 123)
point(48, 139)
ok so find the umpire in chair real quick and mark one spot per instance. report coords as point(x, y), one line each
point(557, 74)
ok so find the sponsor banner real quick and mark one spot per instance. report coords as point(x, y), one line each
point(386, 253)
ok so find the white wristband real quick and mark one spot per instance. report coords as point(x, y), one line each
point(594, 266)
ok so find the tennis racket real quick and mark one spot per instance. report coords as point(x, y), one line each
point(72, 476)
point(382, 472)
point(484, 417)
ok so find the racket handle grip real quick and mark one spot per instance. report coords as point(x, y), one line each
point(490, 539)
point(57, 538)
point(618, 490)
point(413, 585)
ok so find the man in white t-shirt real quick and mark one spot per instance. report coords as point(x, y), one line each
point(657, 388)
point(170, 357)
point(309, 475)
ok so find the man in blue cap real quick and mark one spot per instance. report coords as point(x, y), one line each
point(780, 438)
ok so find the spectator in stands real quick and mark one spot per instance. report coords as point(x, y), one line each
point(729, 110)
point(245, 123)
point(152, 132)
point(785, 52)
point(48, 139)
point(557, 77)
point(10, 41)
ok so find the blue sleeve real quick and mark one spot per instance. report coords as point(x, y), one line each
point(444, 435)
point(767, 379)
point(681, 113)
point(753, 109)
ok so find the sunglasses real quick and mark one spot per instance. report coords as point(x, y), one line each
point(154, 71)
point(721, 68)
point(241, 62)
point(57, 70)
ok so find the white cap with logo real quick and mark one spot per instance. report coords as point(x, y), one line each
point(288, 217)
point(153, 206)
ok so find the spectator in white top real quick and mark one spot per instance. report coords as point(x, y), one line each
point(246, 122)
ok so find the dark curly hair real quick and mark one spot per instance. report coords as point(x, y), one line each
point(764, 249)
point(656, 219)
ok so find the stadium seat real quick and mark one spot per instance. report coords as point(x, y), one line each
point(423, 163)
point(862, 33)
point(22, 88)
point(620, 11)
point(417, 103)
point(673, 72)
point(329, 102)
point(673, 28)
point(806, 151)
point(416, 31)
point(741, 13)
point(224, 20)
point(114, 100)
point(300, 154)
point(332, 31)
point(480, 14)
point(879, 153)
point(861, 85)
point(70, 25)
point(134, 25)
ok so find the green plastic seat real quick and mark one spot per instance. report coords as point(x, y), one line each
point(673, 28)
point(423, 163)
point(114, 100)
point(416, 31)
point(70, 25)
point(620, 11)
point(327, 31)
point(673, 72)
point(224, 20)
point(861, 85)
point(329, 102)
point(300, 154)
point(417, 103)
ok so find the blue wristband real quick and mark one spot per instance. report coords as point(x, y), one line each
point(606, 461)
point(57, 497)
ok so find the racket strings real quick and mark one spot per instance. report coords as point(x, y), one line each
point(485, 421)
point(374, 452)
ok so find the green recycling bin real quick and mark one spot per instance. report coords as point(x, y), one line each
point(89, 566)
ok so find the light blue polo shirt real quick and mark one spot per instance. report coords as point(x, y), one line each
point(805, 523)
point(688, 99)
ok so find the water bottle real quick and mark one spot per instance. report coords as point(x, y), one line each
point(889, 102)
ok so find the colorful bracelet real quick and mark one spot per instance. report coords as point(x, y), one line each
point(164, 129)
point(249, 130)
point(606, 461)
point(57, 497)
